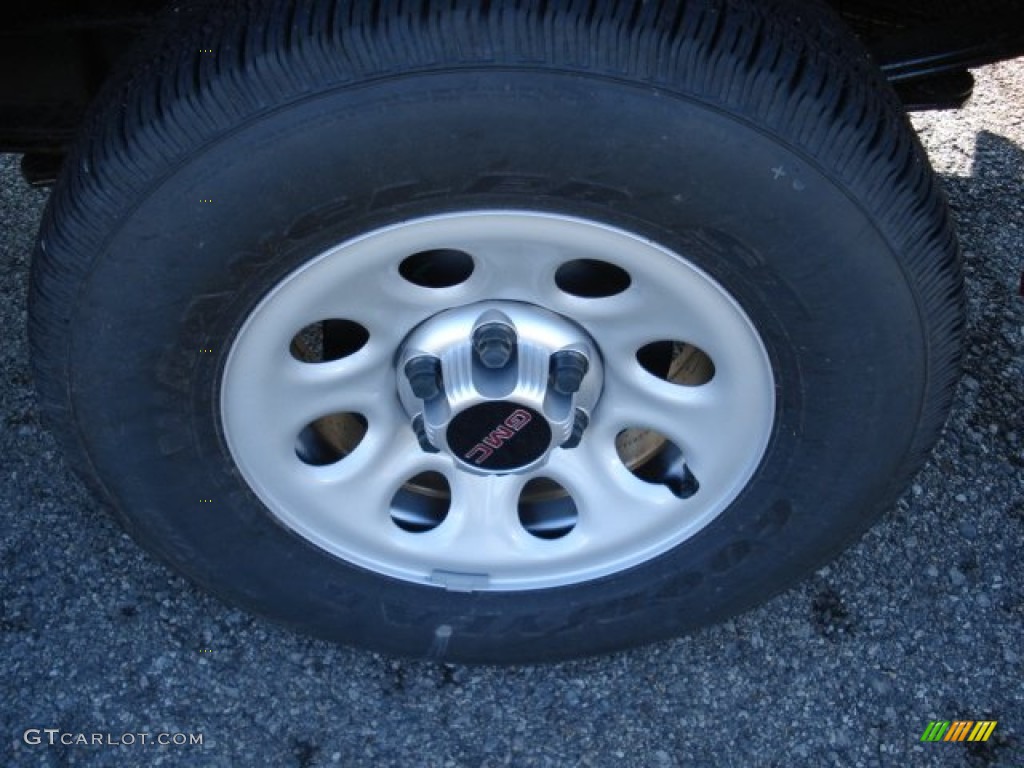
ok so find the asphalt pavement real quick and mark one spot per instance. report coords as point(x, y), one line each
point(922, 620)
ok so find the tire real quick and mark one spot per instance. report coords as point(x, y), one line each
point(295, 301)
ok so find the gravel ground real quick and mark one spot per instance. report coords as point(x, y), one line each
point(921, 620)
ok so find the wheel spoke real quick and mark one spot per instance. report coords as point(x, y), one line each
point(345, 507)
point(482, 532)
point(302, 393)
point(665, 317)
point(693, 419)
point(390, 458)
point(613, 506)
point(285, 395)
point(513, 270)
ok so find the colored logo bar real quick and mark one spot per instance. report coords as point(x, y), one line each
point(959, 730)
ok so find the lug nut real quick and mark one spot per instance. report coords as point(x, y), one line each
point(424, 375)
point(421, 435)
point(681, 481)
point(494, 344)
point(578, 426)
point(568, 368)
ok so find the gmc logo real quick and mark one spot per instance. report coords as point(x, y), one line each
point(498, 436)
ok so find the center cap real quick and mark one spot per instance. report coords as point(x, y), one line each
point(499, 436)
point(499, 385)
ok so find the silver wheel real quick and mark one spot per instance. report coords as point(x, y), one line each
point(358, 392)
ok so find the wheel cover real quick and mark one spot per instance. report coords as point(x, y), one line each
point(683, 418)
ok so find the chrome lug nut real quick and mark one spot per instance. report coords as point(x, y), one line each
point(424, 375)
point(494, 344)
point(578, 426)
point(681, 481)
point(421, 435)
point(568, 368)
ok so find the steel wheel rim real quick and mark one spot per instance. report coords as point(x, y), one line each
point(349, 507)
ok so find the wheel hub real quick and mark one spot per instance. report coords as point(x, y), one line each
point(499, 385)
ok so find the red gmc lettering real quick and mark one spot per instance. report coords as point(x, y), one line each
point(518, 419)
point(481, 452)
point(498, 437)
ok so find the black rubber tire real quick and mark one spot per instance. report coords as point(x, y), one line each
point(756, 137)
